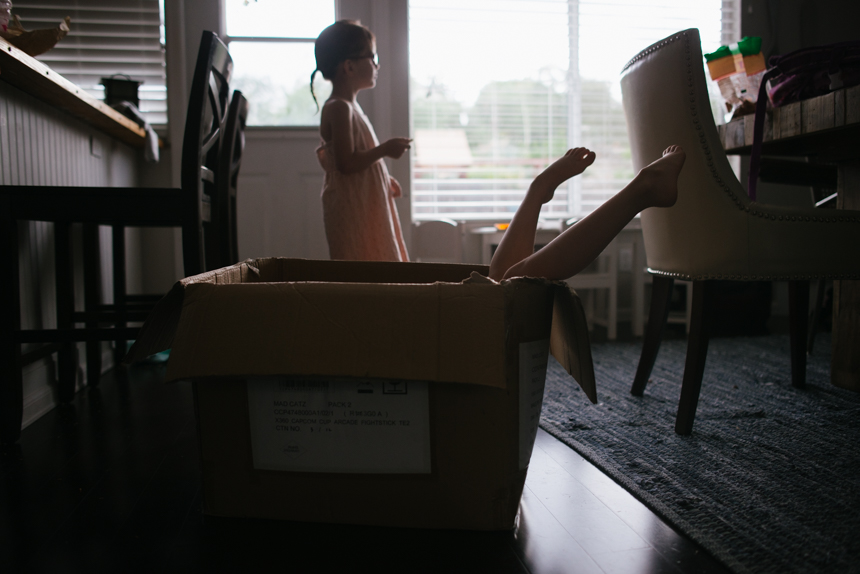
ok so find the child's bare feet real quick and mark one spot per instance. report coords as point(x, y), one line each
point(658, 181)
point(572, 163)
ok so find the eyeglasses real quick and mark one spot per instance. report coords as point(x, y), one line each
point(373, 57)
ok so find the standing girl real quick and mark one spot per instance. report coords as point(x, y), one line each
point(361, 221)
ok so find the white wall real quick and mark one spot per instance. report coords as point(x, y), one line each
point(279, 207)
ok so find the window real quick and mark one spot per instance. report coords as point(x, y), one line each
point(272, 45)
point(501, 88)
point(106, 38)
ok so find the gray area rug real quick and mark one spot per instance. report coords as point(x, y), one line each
point(769, 481)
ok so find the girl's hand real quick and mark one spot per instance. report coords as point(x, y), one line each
point(396, 147)
point(394, 187)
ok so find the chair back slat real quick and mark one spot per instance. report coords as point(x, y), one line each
point(207, 107)
point(201, 147)
point(225, 200)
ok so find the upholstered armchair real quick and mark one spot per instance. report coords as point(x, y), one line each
point(714, 232)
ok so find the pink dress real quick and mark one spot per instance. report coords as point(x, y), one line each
point(361, 221)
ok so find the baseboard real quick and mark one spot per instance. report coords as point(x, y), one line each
point(40, 383)
point(39, 390)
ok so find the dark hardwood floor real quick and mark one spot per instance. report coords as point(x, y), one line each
point(111, 483)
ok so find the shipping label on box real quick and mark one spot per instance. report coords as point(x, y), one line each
point(533, 363)
point(349, 426)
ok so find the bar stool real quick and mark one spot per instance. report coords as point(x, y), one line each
point(188, 207)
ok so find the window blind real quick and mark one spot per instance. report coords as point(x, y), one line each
point(499, 89)
point(106, 38)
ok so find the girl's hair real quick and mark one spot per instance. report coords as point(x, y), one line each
point(341, 41)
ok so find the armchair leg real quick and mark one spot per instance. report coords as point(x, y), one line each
point(694, 368)
point(798, 317)
point(661, 296)
point(815, 316)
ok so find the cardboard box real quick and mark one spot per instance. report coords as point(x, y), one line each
point(400, 394)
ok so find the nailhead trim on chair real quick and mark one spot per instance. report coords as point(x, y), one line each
point(651, 50)
point(800, 277)
point(700, 129)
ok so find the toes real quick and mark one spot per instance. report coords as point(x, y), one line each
point(581, 154)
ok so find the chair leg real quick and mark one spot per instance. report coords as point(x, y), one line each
point(119, 290)
point(92, 300)
point(67, 363)
point(694, 367)
point(798, 316)
point(11, 379)
point(234, 232)
point(661, 296)
point(816, 315)
point(192, 249)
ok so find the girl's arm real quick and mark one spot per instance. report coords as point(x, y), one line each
point(337, 120)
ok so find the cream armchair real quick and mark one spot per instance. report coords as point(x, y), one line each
point(714, 232)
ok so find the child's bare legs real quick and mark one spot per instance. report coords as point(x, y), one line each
point(519, 239)
point(656, 185)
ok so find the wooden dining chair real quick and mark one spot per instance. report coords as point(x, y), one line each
point(437, 241)
point(714, 232)
point(187, 207)
point(224, 214)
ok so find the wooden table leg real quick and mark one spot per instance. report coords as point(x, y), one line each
point(845, 362)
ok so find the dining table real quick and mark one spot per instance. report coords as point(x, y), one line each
point(821, 132)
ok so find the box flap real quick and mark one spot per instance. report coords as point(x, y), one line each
point(228, 319)
point(436, 332)
point(157, 333)
point(279, 269)
point(569, 341)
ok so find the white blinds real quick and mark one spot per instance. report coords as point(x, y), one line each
point(106, 38)
point(500, 88)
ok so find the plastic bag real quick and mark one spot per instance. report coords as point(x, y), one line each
point(800, 75)
point(738, 69)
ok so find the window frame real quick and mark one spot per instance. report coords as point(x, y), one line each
point(228, 39)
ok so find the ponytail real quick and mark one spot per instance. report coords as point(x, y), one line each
point(341, 41)
point(313, 95)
